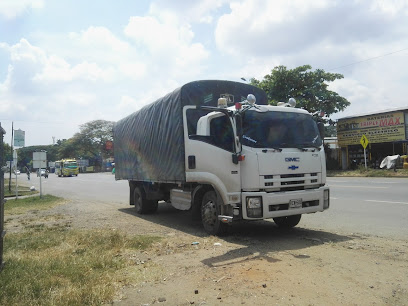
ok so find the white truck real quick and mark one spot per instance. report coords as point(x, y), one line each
point(217, 149)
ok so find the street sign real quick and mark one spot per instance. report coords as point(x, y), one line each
point(15, 158)
point(40, 160)
point(364, 141)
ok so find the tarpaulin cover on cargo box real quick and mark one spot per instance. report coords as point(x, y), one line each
point(149, 144)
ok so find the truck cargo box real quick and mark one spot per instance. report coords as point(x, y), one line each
point(149, 144)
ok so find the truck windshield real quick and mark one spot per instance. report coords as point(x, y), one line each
point(279, 130)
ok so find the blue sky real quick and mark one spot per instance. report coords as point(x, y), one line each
point(65, 63)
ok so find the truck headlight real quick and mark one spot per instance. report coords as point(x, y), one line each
point(254, 207)
point(326, 199)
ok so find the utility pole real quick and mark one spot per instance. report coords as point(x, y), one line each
point(2, 231)
point(12, 136)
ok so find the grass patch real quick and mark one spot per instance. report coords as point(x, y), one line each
point(67, 267)
point(21, 206)
point(362, 172)
point(22, 190)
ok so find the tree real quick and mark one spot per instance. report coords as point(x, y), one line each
point(95, 138)
point(330, 130)
point(25, 154)
point(8, 155)
point(67, 148)
point(309, 88)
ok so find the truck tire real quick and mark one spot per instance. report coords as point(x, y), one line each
point(152, 206)
point(288, 221)
point(209, 215)
point(143, 206)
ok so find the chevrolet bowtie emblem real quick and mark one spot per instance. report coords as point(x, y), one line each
point(293, 167)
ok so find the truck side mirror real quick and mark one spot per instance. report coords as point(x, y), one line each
point(320, 126)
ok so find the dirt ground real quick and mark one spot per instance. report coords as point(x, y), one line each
point(256, 264)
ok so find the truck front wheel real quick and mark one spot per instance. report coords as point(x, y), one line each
point(209, 215)
point(288, 221)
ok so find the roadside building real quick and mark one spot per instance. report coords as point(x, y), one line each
point(333, 153)
point(386, 132)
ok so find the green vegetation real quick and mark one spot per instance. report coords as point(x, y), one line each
point(67, 267)
point(22, 190)
point(93, 140)
point(21, 206)
point(56, 265)
point(309, 88)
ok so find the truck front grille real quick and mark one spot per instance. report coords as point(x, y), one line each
point(290, 182)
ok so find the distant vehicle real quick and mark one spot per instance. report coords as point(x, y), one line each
point(66, 167)
point(42, 172)
point(17, 172)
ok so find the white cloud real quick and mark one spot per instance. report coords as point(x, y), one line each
point(44, 88)
point(159, 37)
point(390, 7)
point(100, 38)
point(58, 70)
point(10, 9)
point(190, 11)
point(292, 26)
point(169, 42)
point(134, 71)
point(32, 69)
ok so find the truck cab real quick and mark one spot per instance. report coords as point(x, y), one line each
point(262, 162)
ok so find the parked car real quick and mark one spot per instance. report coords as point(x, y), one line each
point(42, 172)
point(17, 172)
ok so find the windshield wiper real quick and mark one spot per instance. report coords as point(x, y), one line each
point(270, 149)
point(301, 146)
point(266, 147)
point(306, 145)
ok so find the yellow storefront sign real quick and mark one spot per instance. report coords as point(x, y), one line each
point(378, 128)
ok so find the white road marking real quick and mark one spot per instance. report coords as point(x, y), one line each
point(371, 182)
point(348, 186)
point(377, 201)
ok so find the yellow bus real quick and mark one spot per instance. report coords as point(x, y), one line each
point(66, 167)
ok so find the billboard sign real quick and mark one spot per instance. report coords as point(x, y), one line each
point(387, 127)
point(19, 138)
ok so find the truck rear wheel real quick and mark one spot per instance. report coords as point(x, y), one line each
point(152, 206)
point(288, 221)
point(143, 206)
point(209, 215)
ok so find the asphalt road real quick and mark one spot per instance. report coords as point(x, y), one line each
point(372, 206)
point(368, 206)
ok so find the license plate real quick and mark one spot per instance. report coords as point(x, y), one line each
point(296, 203)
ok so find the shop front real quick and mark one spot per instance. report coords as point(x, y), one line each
point(386, 133)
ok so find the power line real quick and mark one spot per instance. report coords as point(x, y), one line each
point(368, 59)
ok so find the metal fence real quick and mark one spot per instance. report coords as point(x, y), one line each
point(2, 231)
